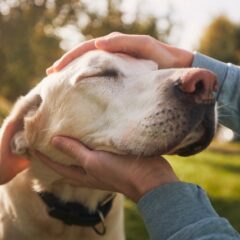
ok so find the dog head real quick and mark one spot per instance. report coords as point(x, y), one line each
point(120, 104)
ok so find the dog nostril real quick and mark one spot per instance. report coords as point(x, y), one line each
point(194, 87)
point(198, 84)
point(199, 87)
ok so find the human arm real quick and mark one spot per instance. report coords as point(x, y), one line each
point(183, 211)
point(171, 209)
point(229, 89)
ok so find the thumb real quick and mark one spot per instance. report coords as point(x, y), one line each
point(71, 172)
point(73, 148)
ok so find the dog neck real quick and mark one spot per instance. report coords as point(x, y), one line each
point(74, 213)
point(48, 180)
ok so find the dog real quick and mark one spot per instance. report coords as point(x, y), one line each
point(110, 102)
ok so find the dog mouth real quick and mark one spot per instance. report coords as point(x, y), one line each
point(208, 126)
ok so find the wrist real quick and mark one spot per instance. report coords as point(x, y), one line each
point(183, 58)
point(178, 57)
point(141, 191)
point(155, 176)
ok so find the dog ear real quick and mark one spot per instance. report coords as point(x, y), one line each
point(12, 138)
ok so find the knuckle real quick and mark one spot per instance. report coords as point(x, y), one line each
point(147, 39)
point(148, 42)
point(115, 34)
point(112, 37)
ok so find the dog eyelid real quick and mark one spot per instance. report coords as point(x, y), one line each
point(109, 73)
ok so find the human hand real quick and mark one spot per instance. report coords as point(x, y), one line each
point(140, 46)
point(10, 164)
point(133, 176)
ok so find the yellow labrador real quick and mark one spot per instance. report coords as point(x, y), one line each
point(110, 102)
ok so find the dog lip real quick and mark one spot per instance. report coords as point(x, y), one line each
point(190, 150)
point(167, 150)
point(203, 142)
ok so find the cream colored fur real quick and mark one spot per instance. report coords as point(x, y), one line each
point(129, 113)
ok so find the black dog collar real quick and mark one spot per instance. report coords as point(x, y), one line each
point(74, 213)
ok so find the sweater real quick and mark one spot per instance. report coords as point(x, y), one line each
point(182, 211)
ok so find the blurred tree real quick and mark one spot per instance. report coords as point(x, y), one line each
point(29, 43)
point(113, 20)
point(221, 41)
point(26, 49)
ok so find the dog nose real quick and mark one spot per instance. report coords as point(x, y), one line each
point(200, 83)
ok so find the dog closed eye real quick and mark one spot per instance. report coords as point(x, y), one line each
point(96, 72)
point(109, 73)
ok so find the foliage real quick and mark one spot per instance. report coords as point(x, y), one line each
point(28, 40)
point(217, 170)
point(221, 40)
point(25, 49)
point(113, 20)
point(134, 226)
point(5, 107)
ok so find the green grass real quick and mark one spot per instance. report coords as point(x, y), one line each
point(217, 170)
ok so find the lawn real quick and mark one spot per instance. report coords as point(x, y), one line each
point(217, 170)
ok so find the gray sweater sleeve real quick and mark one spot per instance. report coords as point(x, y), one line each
point(182, 211)
point(228, 95)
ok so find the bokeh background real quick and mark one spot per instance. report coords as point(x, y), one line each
point(34, 33)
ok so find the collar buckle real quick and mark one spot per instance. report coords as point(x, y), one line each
point(74, 213)
point(102, 230)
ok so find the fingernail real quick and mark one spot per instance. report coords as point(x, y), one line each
point(55, 64)
point(49, 70)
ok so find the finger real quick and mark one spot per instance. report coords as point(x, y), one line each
point(74, 53)
point(73, 148)
point(49, 70)
point(72, 172)
point(52, 68)
point(131, 44)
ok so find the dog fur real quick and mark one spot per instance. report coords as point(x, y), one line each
point(110, 102)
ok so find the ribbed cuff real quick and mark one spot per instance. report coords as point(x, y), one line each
point(214, 65)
